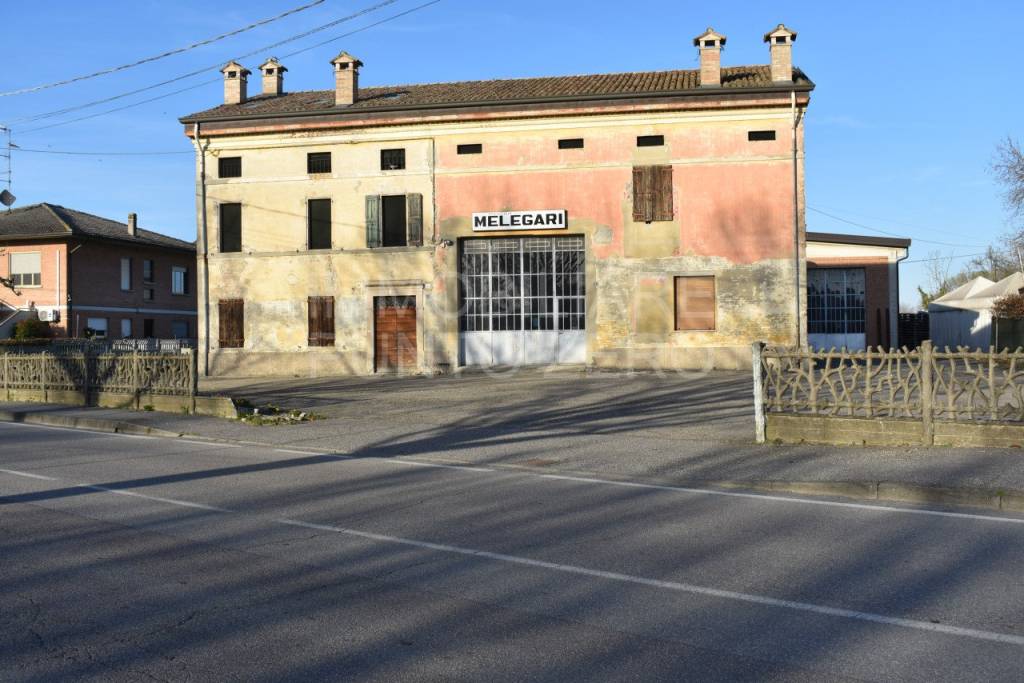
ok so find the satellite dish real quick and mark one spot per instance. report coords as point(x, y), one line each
point(6, 198)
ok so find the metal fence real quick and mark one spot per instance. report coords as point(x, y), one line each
point(922, 384)
point(172, 374)
point(94, 346)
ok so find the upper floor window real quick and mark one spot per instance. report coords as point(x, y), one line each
point(318, 162)
point(230, 227)
point(652, 193)
point(126, 274)
point(394, 221)
point(229, 167)
point(759, 135)
point(392, 159)
point(319, 217)
point(147, 270)
point(571, 143)
point(650, 140)
point(179, 280)
point(26, 269)
point(470, 149)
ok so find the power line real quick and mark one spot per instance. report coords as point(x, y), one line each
point(146, 60)
point(323, 27)
point(15, 148)
point(890, 234)
point(890, 220)
point(943, 258)
point(217, 80)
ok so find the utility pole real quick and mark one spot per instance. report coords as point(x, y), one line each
point(7, 155)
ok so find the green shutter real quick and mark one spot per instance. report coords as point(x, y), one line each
point(414, 219)
point(373, 220)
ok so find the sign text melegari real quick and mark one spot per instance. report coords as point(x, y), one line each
point(546, 219)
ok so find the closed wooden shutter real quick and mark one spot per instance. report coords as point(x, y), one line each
point(695, 303)
point(414, 219)
point(662, 178)
point(373, 232)
point(231, 314)
point(321, 321)
point(643, 194)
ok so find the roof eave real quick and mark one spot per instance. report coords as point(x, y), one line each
point(805, 86)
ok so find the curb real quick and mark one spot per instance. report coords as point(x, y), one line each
point(84, 423)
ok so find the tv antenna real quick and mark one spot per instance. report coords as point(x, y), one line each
point(6, 197)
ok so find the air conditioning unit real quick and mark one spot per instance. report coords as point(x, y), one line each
point(51, 315)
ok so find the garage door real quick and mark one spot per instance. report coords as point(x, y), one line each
point(522, 301)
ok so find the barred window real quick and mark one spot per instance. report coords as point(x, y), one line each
point(229, 167)
point(318, 162)
point(392, 159)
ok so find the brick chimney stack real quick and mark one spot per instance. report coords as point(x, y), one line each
point(133, 220)
point(273, 77)
point(346, 79)
point(709, 44)
point(235, 83)
point(780, 46)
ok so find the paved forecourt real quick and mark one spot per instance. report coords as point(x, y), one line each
point(170, 557)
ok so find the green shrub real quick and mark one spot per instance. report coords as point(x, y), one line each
point(31, 328)
point(1009, 307)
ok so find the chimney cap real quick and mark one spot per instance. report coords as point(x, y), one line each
point(709, 34)
point(345, 58)
point(235, 67)
point(780, 31)
point(272, 63)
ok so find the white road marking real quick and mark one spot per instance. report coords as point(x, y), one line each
point(675, 586)
point(215, 444)
point(288, 450)
point(29, 475)
point(395, 461)
point(787, 499)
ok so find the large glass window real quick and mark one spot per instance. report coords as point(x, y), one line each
point(835, 301)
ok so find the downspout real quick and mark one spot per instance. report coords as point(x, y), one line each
point(796, 222)
point(205, 266)
point(897, 329)
point(72, 330)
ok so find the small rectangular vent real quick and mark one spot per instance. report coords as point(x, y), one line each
point(471, 149)
point(650, 141)
point(571, 143)
point(760, 135)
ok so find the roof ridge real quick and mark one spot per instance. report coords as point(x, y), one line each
point(67, 226)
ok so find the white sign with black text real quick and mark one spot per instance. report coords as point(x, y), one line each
point(544, 219)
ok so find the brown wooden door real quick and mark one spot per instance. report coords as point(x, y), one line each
point(394, 333)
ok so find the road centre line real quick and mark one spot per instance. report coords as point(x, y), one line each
point(674, 586)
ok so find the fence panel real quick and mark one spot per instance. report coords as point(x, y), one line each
point(171, 374)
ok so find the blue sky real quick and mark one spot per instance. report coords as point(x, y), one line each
point(912, 97)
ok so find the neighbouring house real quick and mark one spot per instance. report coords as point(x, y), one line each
point(853, 290)
point(624, 220)
point(963, 317)
point(91, 276)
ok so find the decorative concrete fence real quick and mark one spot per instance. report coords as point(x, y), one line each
point(897, 397)
point(153, 381)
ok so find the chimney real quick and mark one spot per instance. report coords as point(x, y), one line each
point(273, 77)
point(346, 79)
point(709, 44)
point(780, 46)
point(235, 83)
point(133, 220)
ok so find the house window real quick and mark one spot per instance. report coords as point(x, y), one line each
point(321, 321)
point(652, 193)
point(148, 294)
point(126, 328)
point(319, 219)
point(394, 221)
point(318, 162)
point(232, 323)
point(230, 227)
point(179, 329)
point(835, 300)
point(760, 135)
point(392, 159)
point(571, 143)
point(179, 280)
point(470, 149)
point(229, 167)
point(695, 303)
point(147, 328)
point(147, 270)
point(26, 269)
point(96, 327)
point(650, 140)
point(126, 274)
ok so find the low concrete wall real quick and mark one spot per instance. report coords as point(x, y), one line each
point(216, 406)
point(846, 431)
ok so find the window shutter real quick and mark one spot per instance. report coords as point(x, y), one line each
point(414, 220)
point(662, 177)
point(643, 193)
point(327, 321)
point(373, 238)
point(695, 303)
point(231, 323)
point(313, 304)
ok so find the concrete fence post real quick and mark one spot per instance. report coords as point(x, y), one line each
point(7, 381)
point(993, 393)
point(42, 373)
point(927, 413)
point(757, 360)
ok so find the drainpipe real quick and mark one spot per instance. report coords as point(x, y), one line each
point(796, 221)
point(72, 331)
point(897, 329)
point(203, 249)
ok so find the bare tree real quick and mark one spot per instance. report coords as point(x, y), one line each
point(1008, 169)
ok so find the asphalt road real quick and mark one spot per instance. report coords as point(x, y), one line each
point(127, 558)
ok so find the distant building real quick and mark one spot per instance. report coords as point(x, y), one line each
point(963, 317)
point(90, 275)
point(853, 290)
point(620, 220)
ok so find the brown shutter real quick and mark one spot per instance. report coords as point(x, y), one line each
point(662, 177)
point(695, 303)
point(321, 320)
point(642, 194)
point(313, 303)
point(231, 317)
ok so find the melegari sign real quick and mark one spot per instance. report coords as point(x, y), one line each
point(547, 219)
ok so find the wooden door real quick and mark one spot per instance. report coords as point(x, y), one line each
point(394, 333)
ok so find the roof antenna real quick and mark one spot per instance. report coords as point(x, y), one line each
point(6, 198)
